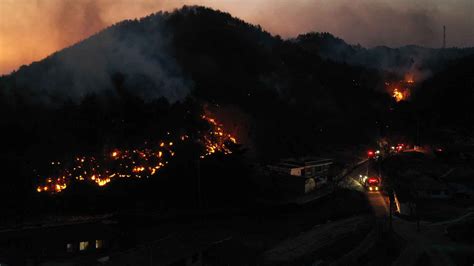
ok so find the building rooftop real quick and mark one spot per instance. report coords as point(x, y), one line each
point(286, 165)
point(428, 183)
point(305, 161)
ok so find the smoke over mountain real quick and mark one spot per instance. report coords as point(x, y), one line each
point(136, 51)
point(163, 55)
point(370, 23)
point(417, 62)
point(75, 18)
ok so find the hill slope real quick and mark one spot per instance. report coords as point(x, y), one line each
point(140, 79)
point(445, 103)
point(215, 58)
point(168, 54)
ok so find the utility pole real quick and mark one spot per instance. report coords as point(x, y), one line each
point(389, 198)
point(390, 219)
point(416, 209)
point(198, 175)
point(417, 138)
point(368, 165)
point(390, 194)
point(151, 254)
point(444, 36)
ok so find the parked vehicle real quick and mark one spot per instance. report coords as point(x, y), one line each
point(372, 183)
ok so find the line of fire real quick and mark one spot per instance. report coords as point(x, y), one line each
point(135, 163)
point(146, 162)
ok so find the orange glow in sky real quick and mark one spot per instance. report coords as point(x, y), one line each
point(32, 29)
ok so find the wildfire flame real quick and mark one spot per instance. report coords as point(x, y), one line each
point(409, 78)
point(217, 140)
point(136, 163)
point(400, 90)
point(398, 95)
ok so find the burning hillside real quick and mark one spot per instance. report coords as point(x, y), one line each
point(136, 163)
point(401, 90)
point(216, 140)
point(400, 94)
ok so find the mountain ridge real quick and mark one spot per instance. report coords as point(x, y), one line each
point(155, 55)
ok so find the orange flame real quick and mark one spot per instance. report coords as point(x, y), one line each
point(136, 163)
point(398, 95)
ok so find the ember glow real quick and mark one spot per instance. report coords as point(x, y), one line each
point(398, 95)
point(409, 78)
point(217, 140)
point(136, 163)
point(400, 90)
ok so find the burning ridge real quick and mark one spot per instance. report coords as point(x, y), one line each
point(135, 163)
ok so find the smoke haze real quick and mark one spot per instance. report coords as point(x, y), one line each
point(133, 60)
point(31, 30)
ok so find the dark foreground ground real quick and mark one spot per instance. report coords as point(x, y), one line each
point(129, 238)
point(349, 226)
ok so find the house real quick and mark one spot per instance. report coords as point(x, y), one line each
point(421, 187)
point(186, 250)
point(309, 167)
point(301, 175)
point(99, 243)
point(458, 180)
point(430, 188)
point(66, 243)
point(289, 184)
point(456, 152)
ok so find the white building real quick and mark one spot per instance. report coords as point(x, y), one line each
point(308, 172)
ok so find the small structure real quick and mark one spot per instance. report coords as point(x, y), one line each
point(456, 153)
point(69, 242)
point(301, 175)
point(186, 249)
point(429, 188)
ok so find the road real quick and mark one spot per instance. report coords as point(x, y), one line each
point(322, 237)
point(379, 204)
point(377, 200)
point(429, 241)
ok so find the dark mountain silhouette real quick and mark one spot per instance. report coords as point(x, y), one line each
point(138, 50)
point(167, 55)
point(444, 102)
point(307, 92)
point(421, 61)
point(138, 79)
point(213, 57)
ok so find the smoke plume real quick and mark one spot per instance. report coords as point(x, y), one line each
point(32, 29)
point(137, 51)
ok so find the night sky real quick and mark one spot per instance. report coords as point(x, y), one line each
point(33, 29)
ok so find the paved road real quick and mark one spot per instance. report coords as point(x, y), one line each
point(377, 200)
point(379, 204)
point(320, 238)
point(430, 240)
